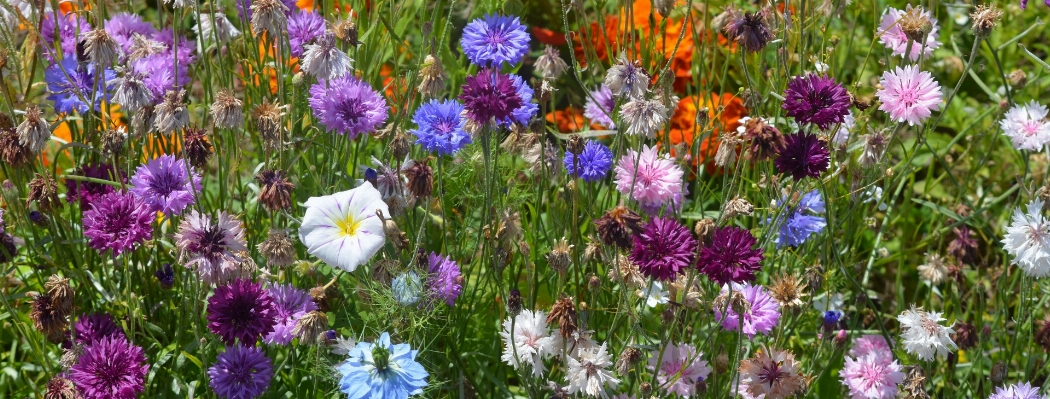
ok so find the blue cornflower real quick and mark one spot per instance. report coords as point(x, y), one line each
point(594, 162)
point(382, 371)
point(441, 126)
point(832, 317)
point(407, 288)
point(70, 84)
point(523, 113)
point(494, 40)
point(802, 221)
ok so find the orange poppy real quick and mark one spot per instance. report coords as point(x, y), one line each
point(684, 128)
point(568, 120)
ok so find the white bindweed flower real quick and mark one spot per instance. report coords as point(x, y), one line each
point(342, 229)
point(654, 294)
point(1028, 240)
point(923, 336)
point(527, 340)
point(589, 373)
point(1026, 126)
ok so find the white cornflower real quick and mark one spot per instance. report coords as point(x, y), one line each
point(922, 336)
point(342, 229)
point(324, 60)
point(342, 347)
point(130, 92)
point(215, 26)
point(935, 270)
point(654, 294)
point(627, 78)
point(526, 339)
point(644, 117)
point(589, 373)
point(842, 135)
point(1026, 126)
point(579, 341)
point(1028, 240)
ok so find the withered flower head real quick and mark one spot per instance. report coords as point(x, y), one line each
point(113, 141)
point(704, 229)
point(1042, 332)
point(732, 299)
point(915, 25)
point(558, 258)
point(8, 250)
point(197, 147)
point(815, 277)
point(44, 191)
point(61, 293)
point(563, 313)
point(965, 335)
point(749, 29)
point(628, 273)
point(628, 358)
point(278, 249)
point(550, 65)
point(101, 47)
point(34, 131)
point(346, 30)
point(71, 355)
point(276, 191)
point(48, 319)
point(267, 117)
point(142, 121)
point(985, 18)
point(171, 114)
point(788, 290)
point(875, 143)
point(1018, 79)
point(963, 247)
point(739, 206)
point(618, 227)
point(142, 47)
point(432, 78)
point(269, 16)
point(311, 327)
point(227, 110)
point(914, 385)
point(514, 302)
point(766, 140)
point(61, 388)
point(999, 373)
point(11, 151)
point(575, 145)
point(420, 178)
point(400, 144)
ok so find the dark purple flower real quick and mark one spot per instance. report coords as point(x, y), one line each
point(241, 310)
point(816, 99)
point(165, 275)
point(71, 83)
point(303, 27)
point(490, 95)
point(495, 40)
point(524, 113)
point(290, 303)
point(122, 26)
point(118, 221)
point(88, 192)
point(729, 257)
point(159, 75)
point(963, 247)
point(803, 155)
point(166, 184)
point(111, 368)
point(90, 328)
point(69, 27)
point(749, 29)
point(241, 373)
point(348, 105)
point(444, 280)
point(663, 249)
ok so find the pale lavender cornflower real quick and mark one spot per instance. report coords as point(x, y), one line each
point(210, 247)
point(1027, 127)
point(874, 375)
point(291, 304)
point(600, 107)
point(764, 311)
point(166, 184)
point(909, 94)
point(679, 368)
point(1023, 390)
point(324, 60)
point(644, 117)
point(650, 178)
point(347, 105)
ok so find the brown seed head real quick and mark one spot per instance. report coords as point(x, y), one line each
point(563, 313)
point(420, 179)
point(618, 227)
point(44, 191)
point(276, 191)
point(310, 328)
point(278, 249)
point(985, 18)
point(61, 293)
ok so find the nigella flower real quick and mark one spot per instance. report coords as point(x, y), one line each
point(816, 99)
point(166, 184)
point(592, 164)
point(494, 40)
point(749, 29)
point(923, 336)
point(1023, 390)
point(118, 221)
point(303, 27)
point(730, 256)
point(523, 113)
point(762, 312)
point(490, 95)
point(407, 288)
point(348, 105)
point(896, 40)
point(241, 310)
point(804, 155)
point(210, 247)
point(122, 26)
point(649, 178)
point(679, 369)
point(88, 192)
point(1028, 240)
point(91, 328)
point(588, 373)
point(71, 83)
point(771, 374)
point(527, 341)
point(324, 60)
point(440, 126)
point(342, 229)
point(444, 280)
point(69, 27)
point(1026, 126)
point(663, 249)
point(290, 305)
point(240, 373)
point(909, 94)
point(111, 368)
point(600, 107)
point(627, 78)
point(799, 223)
point(874, 375)
point(382, 370)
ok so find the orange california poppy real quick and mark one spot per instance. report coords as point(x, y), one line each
point(684, 128)
point(568, 120)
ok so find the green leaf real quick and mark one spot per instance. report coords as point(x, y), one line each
point(944, 211)
point(513, 7)
point(193, 359)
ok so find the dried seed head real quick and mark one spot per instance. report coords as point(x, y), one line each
point(61, 293)
point(628, 359)
point(1018, 79)
point(628, 273)
point(514, 302)
point(113, 142)
point(346, 30)
point(196, 146)
point(563, 313)
point(550, 65)
point(985, 18)
point(766, 140)
point(34, 131)
point(738, 206)
point(11, 151)
point(276, 190)
point(965, 335)
point(875, 143)
point(915, 25)
point(61, 388)
point(321, 298)
point(71, 355)
point(310, 329)
point(998, 373)
point(732, 300)
point(227, 110)
point(47, 319)
point(433, 76)
point(384, 270)
point(269, 16)
point(914, 386)
point(558, 258)
point(44, 191)
point(704, 229)
point(575, 144)
point(101, 47)
point(142, 121)
point(394, 233)
point(618, 227)
point(935, 269)
point(788, 290)
point(171, 114)
point(400, 145)
point(267, 117)
point(1042, 332)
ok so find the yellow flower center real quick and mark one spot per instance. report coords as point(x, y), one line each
point(348, 226)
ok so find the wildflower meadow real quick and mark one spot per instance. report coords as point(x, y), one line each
point(629, 199)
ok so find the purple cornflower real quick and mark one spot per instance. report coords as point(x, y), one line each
point(523, 113)
point(166, 184)
point(816, 99)
point(90, 328)
point(241, 310)
point(764, 314)
point(290, 303)
point(490, 95)
point(600, 107)
point(730, 256)
point(440, 126)
point(749, 29)
point(165, 275)
point(210, 247)
point(444, 280)
point(348, 106)
point(593, 164)
point(159, 74)
point(69, 27)
point(111, 368)
point(240, 373)
point(70, 83)
point(1023, 390)
point(664, 249)
point(494, 40)
point(801, 222)
point(803, 155)
point(88, 192)
point(117, 221)
point(122, 26)
point(185, 49)
point(303, 27)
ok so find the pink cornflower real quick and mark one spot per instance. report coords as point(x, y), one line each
point(650, 178)
point(868, 343)
point(874, 375)
point(909, 94)
point(679, 369)
point(894, 38)
point(1027, 126)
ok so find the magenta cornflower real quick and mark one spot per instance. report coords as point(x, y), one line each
point(663, 249)
point(118, 222)
point(347, 105)
point(804, 155)
point(490, 95)
point(730, 256)
point(88, 192)
point(444, 281)
point(874, 375)
point(909, 94)
point(893, 37)
point(110, 368)
point(241, 311)
point(650, 178)
point(166, 184)
point(240, 373)
point(816, 99)
point(210, 247)
point(290, 303)
point(495, 40)
point(764, 314)
point(90, 328)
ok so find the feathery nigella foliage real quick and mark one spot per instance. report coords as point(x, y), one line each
point(589, 199)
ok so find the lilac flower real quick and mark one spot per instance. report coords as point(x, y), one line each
point(303, 27)
point(185, 49)
point(600, 107)
point(166, 184)
point(69, 27)
point(440, 127)
point(798, 224)
point(119, 222)
point(111, 368)
point(210, 247)
point(652, 179)
point(70, 84)
point(816, 99)
point(290, 304)
point(240, 373)
point(664, 249)
point(491, 95)
point(159, 74)
point(893, 37)
point(730, 256)
point(494, 40)
point(874, 375)
point(1023, 390)
point(764, 314)
point(241, 311)
point(122, 26)
point(88, 192)
point(868, 343)
point(523, 113)
point(348, 106)
point(444, 280)
point(91, 328)
point(593, 164)
point(804, 155)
